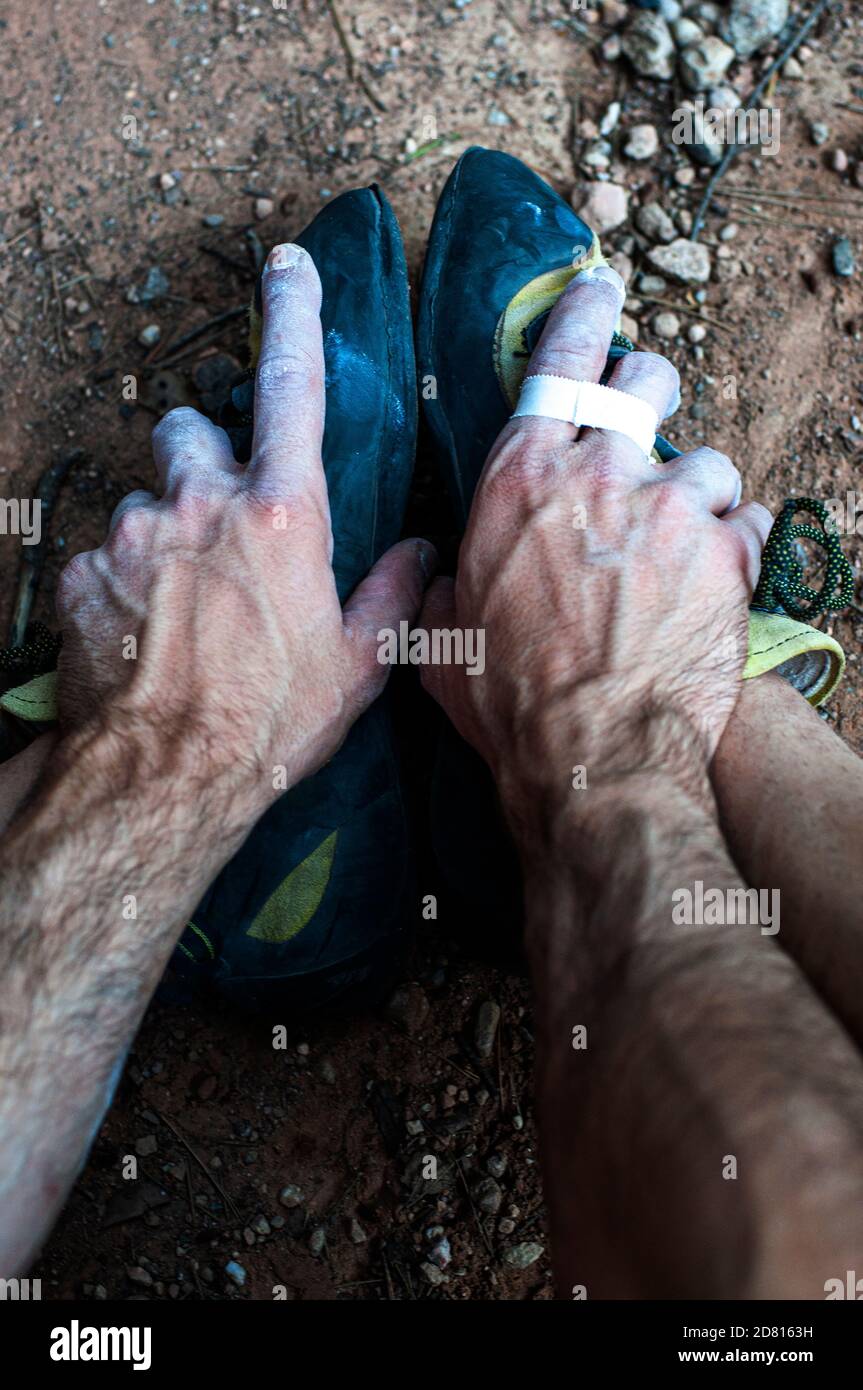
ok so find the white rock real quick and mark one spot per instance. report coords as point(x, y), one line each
point(655, 223)
point(723, 98)
point(605, 207)
point(751, 24)
point(705, 63)
point(648, 45)
point(696, 333)
point(686, 261)
point(642, 142)
point(610, 119)
point(666, 325)
point(686, 31)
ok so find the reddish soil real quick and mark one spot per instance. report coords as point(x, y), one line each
point(238, 103)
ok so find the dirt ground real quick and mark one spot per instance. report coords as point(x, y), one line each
point(177, 138)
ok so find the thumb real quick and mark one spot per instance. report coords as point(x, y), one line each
point(391, 593)
point(438, 613)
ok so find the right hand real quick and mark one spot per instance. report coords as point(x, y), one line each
point(596, 631)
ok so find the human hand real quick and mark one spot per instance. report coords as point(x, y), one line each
point(613, 592)
point(210, 615)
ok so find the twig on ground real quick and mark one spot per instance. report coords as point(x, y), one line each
point(213, 168)
point(58, 315)
point(355, 71)
point(753, 99)
point(239, 266)
point(487, 1243)
point(171, 349)
point(685, 309)
point(773, 195)
point(228, 1201)
point(18, 236)
point(33, 556)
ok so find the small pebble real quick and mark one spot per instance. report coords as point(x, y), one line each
point(291, 1196)
point(485, 1029)
point(642, 142)
point(839, 161)
point(610, 119)
point(149, 336)
point(729, 231)
point(524, 1254)
point(666, 325)
point(842, 257)
point(263, 208)
point(488, 1196)
point(655, 223)
point(236, 1273)
point(696, 333)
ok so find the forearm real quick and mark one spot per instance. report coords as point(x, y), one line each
point(98, 878)
point(705, 1053)
point(790, 797)
point(19, 775)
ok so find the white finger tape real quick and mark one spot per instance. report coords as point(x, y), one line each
point(586, 403)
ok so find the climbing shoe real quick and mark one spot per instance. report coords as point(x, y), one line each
point(311, 910)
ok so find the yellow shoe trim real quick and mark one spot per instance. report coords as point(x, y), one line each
point(36, 701)
point(511, 352)
point(297, 897)
point(775, 639)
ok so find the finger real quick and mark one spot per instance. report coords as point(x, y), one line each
point(712, 474)
point(650, 377)
point(390, 594)
point(574, 344)
point(289, 382)
point(138, 498)
point(187, 445)
point(752, 522)
point(439, 614)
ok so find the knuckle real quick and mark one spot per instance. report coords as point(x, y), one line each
point(72, 580)
point(181, 419)
point(576, 357)
point(654, 367)
point(290, 363)
point(712, 459)
point(295, 513)
point(672, 502)
point(600, 456)
point(129, 528)
point(522, 467)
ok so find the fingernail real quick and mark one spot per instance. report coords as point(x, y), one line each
point(601, 272)
point(284, 256)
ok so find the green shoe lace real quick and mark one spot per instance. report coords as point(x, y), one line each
point(781, 586)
